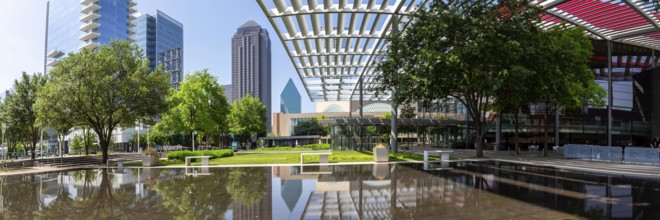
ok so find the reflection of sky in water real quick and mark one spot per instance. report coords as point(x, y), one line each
point(468, 191)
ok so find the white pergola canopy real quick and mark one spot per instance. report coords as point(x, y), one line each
point(334, 44)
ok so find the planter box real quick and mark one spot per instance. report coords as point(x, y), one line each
point(150, 160)
point(381, 154)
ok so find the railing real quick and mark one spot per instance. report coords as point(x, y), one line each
point(618, 154)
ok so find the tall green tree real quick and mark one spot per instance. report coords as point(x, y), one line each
point(455, 49)
point(52, 112)
point(20, 109)
point(247, 118)
point(310, 127)
point(564, 79)
point(199, 105)
point(109, 87)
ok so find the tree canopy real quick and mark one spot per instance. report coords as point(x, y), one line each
point(469, 49)
point(199, 105)
point(19, 109)
point(310, 127)
point(247, 117)
point(108, 87)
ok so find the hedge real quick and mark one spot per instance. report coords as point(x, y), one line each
point(181, 155)
point(317, 146)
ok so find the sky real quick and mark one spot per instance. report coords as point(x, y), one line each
point(208, 27)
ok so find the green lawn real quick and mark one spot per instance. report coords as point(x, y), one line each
point(294, 158)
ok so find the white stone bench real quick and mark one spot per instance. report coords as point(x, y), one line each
point(205, 160)
point(444, 159)
point(323, 156)
point(444, 154)
point(120, 162)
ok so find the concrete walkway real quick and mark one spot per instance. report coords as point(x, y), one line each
point(556, 160)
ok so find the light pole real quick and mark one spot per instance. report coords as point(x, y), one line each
point(193, 140)
point(4, 127)
point(137, 127)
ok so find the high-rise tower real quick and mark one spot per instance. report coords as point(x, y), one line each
point(75, 24)
point(250, 66)
point(161, 39)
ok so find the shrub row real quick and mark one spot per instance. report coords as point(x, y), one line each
point(181, 155)
point(317, 146)
point(282, 149)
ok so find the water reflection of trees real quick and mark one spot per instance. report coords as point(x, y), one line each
point(200, 197)
point(100, 202)
point(246, 185)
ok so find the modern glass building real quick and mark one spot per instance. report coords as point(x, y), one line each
point(161, 39)
point(290, 99)
point(250, 64)
point(75, 24)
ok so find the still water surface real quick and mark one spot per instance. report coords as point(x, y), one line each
point(468, 190)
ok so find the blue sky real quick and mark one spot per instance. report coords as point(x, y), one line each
point(208, 28)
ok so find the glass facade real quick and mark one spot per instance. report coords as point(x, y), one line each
point(161, 39)
point(290, 99)
point(73, 25)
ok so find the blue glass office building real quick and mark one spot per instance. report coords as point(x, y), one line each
point(76, 24)
point(161, 39)
point(290, 99)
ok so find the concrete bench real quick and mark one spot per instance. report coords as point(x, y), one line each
point(120, 162)
point(205, 160)
point(444, 154)
point(323, 156)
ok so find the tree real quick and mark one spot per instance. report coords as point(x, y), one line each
point(52, 113)
point(408, 111)
point(564, 78)
point(309, 127)
point(463, 49)
point(108, 87)
point(199, 105)
point(247, 117)
point(77, 143)
point(20, 111)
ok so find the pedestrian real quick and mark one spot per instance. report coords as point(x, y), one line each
point(654, 142)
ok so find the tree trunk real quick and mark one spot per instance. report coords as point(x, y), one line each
point(545, 132)
point(515, 132)
point(86, 140)
point(480, 136)
point(34, 146)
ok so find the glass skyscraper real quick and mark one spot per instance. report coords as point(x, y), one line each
point(250, 64)
point(75, 24)
point(161, 39)
point(290, 99)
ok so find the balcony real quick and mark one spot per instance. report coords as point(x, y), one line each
point(131, 3)
point(53, 62)
point(55, 54)
point(131, 25)
point(131, 10)
point(130, 32)
point(89, 26)
point(89, 17)
point(90, 8)
point(132, 17)
point(90, 45)
point(88, 36)
point(87, 2)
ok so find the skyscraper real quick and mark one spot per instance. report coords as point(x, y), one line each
point(290, 99)
point(250, 66)
point(161, 39)
point(75, 24)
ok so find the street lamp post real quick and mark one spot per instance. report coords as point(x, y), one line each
point(138, 136)
point(4, 127)
point(193, 140)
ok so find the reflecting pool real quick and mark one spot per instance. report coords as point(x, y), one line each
point(465, 190)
